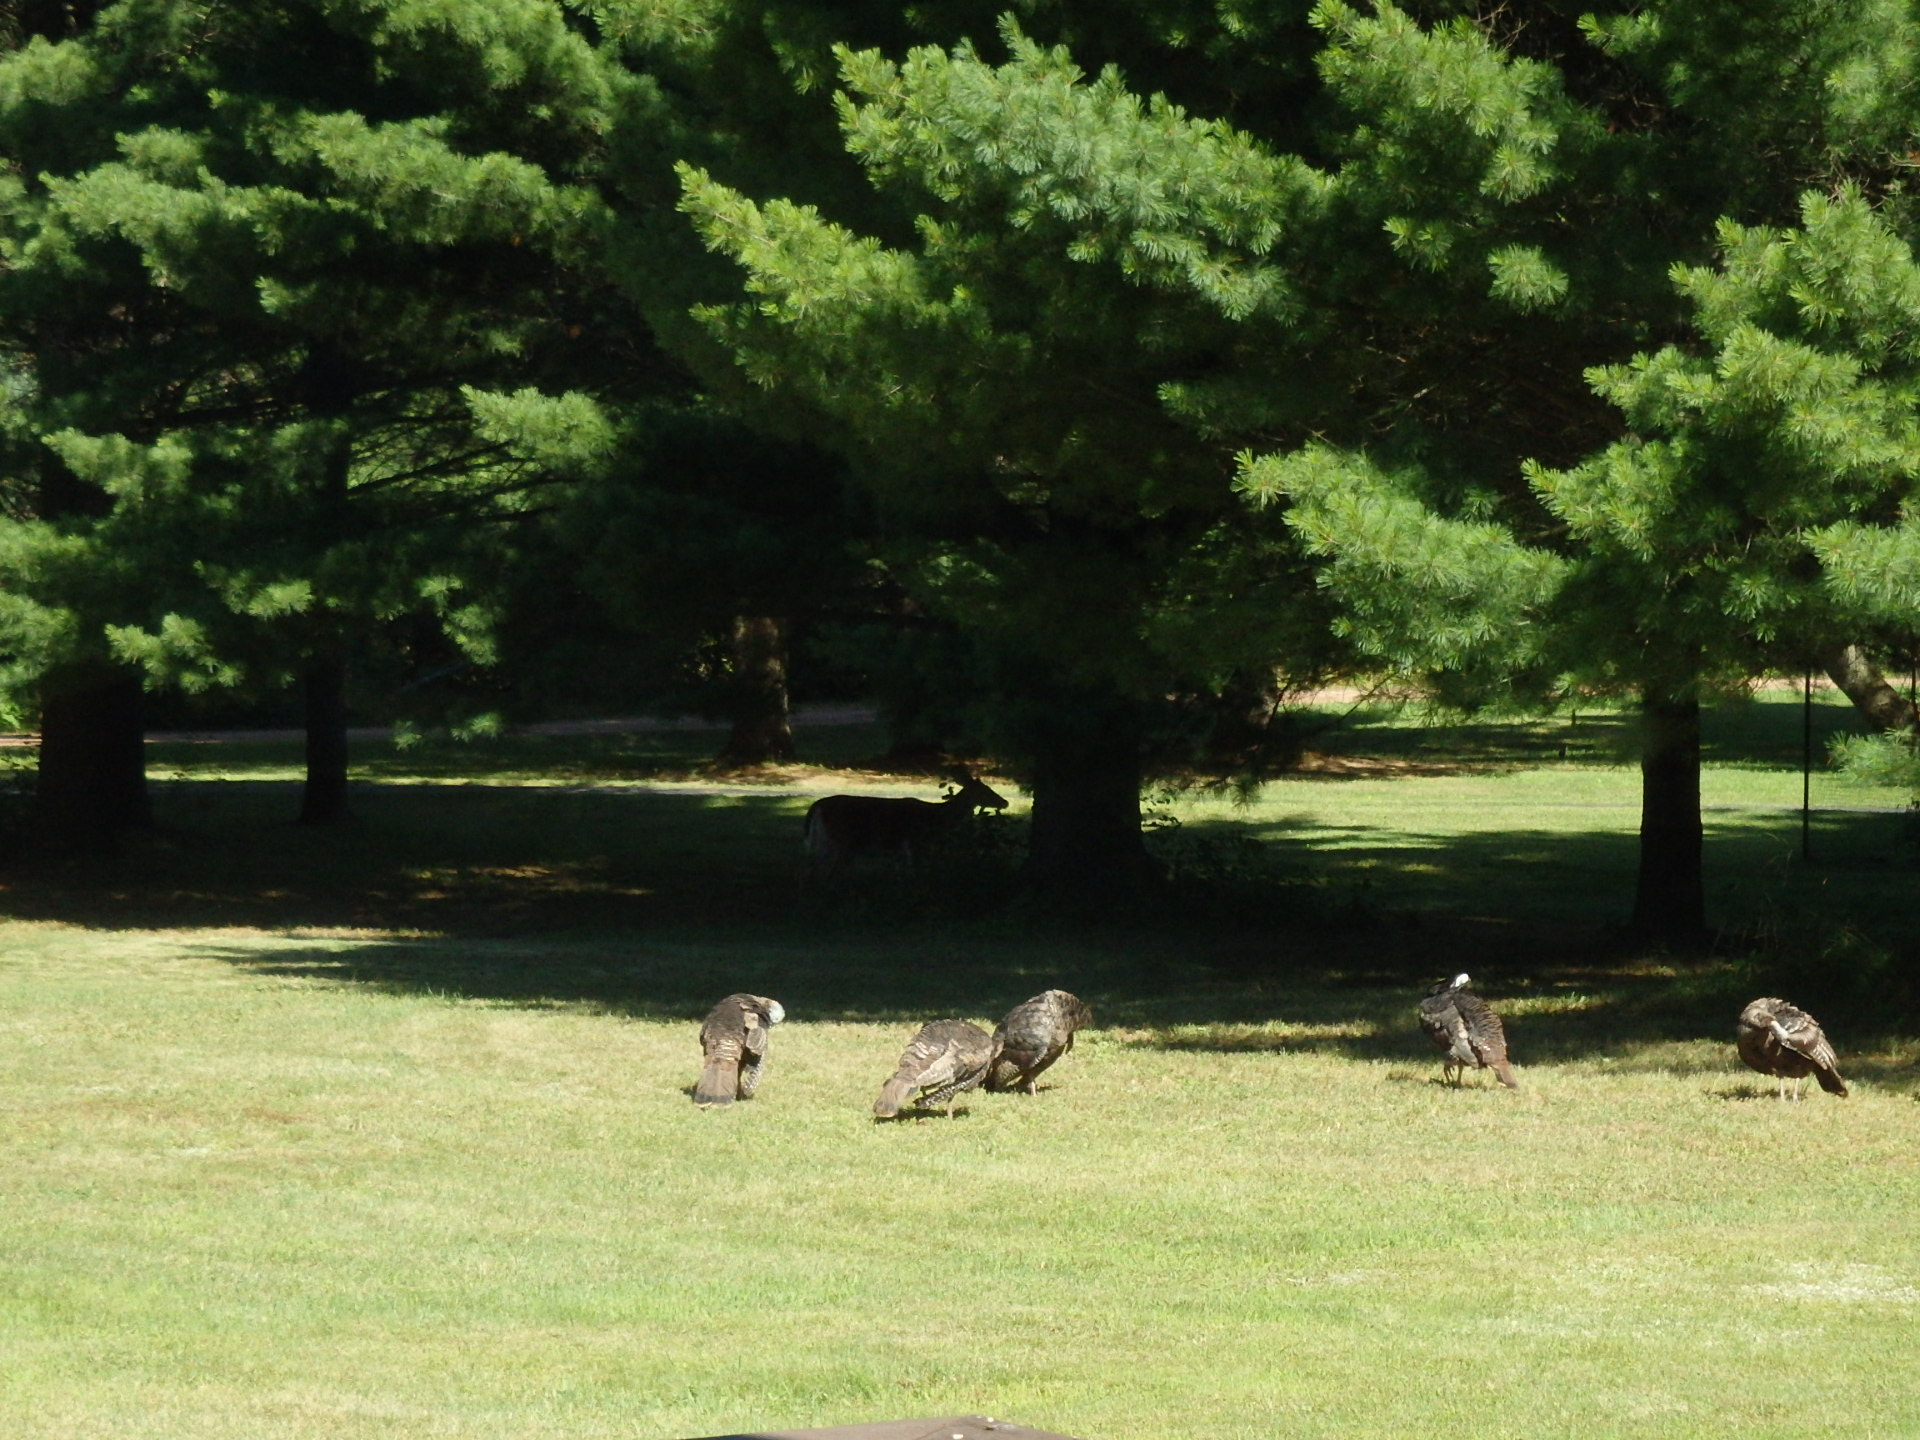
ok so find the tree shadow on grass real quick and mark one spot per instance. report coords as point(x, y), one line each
point(475, 859)
point(652, 903)
point(1636, 1015)
point(641, 979)
point(482, 859)
point(1571, 994)
point(589, 752)
point(1606, 1032)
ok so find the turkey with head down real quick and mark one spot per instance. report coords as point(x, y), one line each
point(733, 1048)
point(947, 1058)
point(1035, 1033)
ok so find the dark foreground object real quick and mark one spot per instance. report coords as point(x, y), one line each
point(963, 1427)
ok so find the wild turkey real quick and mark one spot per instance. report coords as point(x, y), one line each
point(1035, 1033)
point(733, 1048)
point(947, 1058)
point(1787, 1043)
point(1464, 1025)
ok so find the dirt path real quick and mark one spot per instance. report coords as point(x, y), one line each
point(804, 717)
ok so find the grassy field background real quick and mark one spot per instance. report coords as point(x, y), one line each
point(387, 1132)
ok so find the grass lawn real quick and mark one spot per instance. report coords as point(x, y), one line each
point(387, 1132)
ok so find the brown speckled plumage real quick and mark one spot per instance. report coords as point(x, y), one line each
point(1035, 1033)
point(1465, 1027)
point(1787, 1043)
point(733, 1048)
point(947, 1058)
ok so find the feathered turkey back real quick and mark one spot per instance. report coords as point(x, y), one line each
point(946, 1058)
point(1780, 1039)
point(1035, 1033)
point(1463, 1025)
point(733, 1048)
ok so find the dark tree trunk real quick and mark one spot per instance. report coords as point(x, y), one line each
point(1085, 842)
point(323, 800)
point(1670, 898)
point(54, 19)
point(762, 723)
point(328, 385)
point(92, 785)
point(1860, 680)
point(92, 781)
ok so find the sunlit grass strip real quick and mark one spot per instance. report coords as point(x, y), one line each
point(246, 1202)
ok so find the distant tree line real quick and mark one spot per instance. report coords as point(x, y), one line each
point(1089, 375)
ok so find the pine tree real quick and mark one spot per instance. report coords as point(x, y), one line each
point(1657, 549)
point(313, 228)
point(690, 557)
point(92, 769)
point(1001, 385)
point(1741, 521)
point(1404, 281)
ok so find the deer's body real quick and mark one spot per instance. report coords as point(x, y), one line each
point(843, 827)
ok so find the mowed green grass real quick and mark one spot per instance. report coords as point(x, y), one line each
point(388, 1134)
point(242, 1199)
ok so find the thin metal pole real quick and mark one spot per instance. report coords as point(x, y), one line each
point(1806, 771)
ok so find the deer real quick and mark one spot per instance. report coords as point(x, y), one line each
point(840, 827)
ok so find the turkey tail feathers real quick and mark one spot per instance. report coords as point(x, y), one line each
point(1784, 1041)
point(719, 1081)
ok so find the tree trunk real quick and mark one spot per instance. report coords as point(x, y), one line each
point(55, 19)
point(1670, 898)
point(328, 385)
point(762, 723)
point(92, 781)
point(1860, 680)
point(1085, 842)
point(323, 801)
point(92, 784)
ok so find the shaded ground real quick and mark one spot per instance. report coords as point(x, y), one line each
point(648, 903)
point(589, 869)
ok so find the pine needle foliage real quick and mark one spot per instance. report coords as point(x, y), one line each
point(307, 226)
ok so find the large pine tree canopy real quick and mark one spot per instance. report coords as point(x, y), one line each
point(1171, 348)
point(253, 256)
